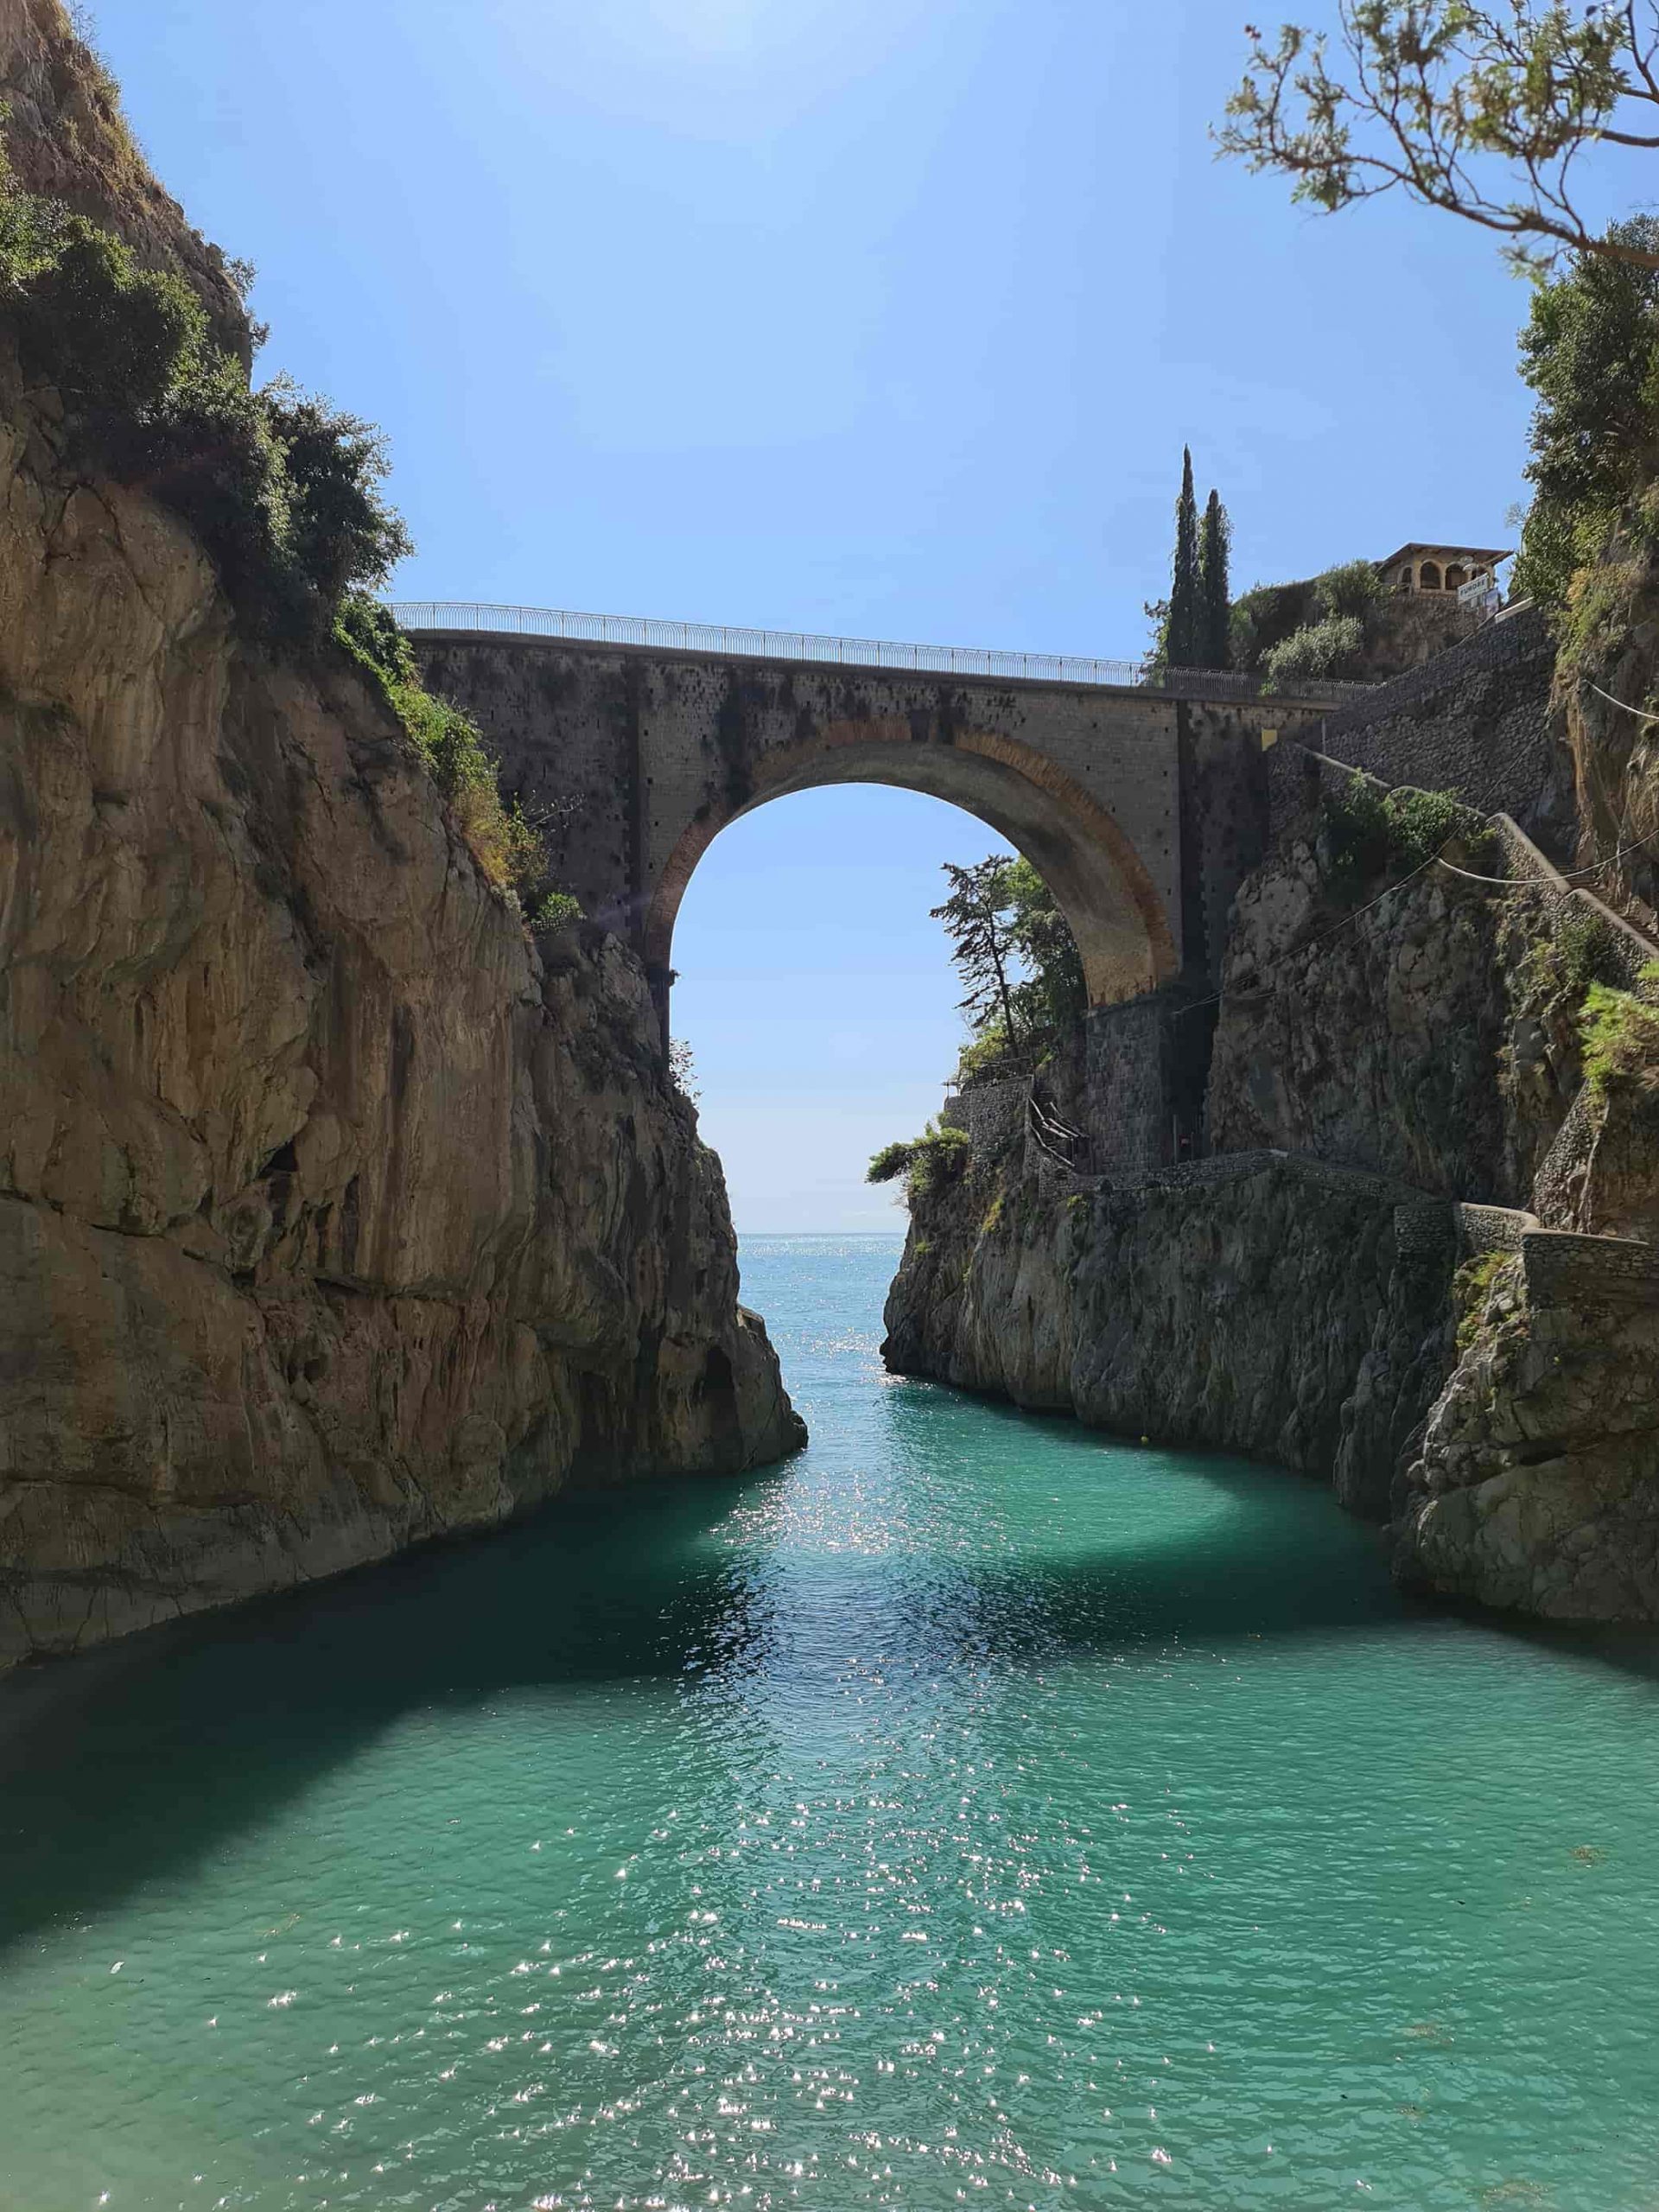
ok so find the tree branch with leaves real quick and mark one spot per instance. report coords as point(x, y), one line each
point(1484, 112)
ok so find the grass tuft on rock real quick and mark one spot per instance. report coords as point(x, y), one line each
point(1620, 1036)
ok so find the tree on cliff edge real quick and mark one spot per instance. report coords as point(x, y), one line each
point(1180, 640)
point(1215, 596)
point(1193, 623)
point(976, 921)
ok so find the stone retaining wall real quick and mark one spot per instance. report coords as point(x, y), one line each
point(1491, 1228)
point(1565, 1269)
point(1474, 720)
point(992, 1114)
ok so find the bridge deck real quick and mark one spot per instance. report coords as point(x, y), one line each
point(459, 618)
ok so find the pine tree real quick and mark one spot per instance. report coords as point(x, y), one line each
point(977, 921)
point(1182, 637)
point(1215, 602)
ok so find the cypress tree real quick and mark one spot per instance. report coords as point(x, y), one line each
point(1182, 634)
point(1215, 601)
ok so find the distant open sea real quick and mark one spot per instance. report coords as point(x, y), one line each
point(976, 1811)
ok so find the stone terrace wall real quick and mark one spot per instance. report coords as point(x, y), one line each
point(1474, 720)
point(993, 1114)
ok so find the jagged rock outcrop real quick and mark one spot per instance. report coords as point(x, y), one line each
point(332, 1216)
point(1537, 1485)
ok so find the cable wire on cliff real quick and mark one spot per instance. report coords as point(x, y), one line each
point(1436, 859)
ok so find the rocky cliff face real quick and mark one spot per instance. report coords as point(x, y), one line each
point(67, 138)
point(1535, 1485)
point(1606, 679)
point(1415, 1037)
point(332, 1216)
point(1396, 1086)
point(1260, 1309)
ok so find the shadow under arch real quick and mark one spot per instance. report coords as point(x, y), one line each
point(1099, 880)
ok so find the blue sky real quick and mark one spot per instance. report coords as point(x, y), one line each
point(878, 317)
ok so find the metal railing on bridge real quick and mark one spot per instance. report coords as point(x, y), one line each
point(719, 638)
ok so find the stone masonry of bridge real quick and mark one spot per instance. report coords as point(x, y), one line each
point(1142, 809)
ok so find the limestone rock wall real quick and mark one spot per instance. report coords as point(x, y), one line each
point(1416, 1035)
point(330, 1216)
point(1536, 1483)
point(1254, 1305)
point(1396, 1100)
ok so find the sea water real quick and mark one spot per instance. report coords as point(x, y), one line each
point(975, 1811)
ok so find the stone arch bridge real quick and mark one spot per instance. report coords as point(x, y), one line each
point(1141, 801)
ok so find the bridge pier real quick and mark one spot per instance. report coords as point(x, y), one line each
point(1146, 1062)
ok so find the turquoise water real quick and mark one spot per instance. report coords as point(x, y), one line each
point(975, 1812)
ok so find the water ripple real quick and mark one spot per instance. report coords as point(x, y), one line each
point(975, 1812)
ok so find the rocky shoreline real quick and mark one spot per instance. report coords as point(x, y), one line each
point(1413, 1263)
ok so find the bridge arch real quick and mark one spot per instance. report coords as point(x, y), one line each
point(1123, 933)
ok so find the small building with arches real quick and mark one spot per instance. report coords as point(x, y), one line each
point(1441, 572)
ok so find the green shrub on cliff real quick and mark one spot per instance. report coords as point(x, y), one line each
point(1420, 823)
point(1582, 950)
point(558, 909)
point(1368, 832)
point(1472, 1286)
point(927, 1162)
point(1316, 629)
point(283, 489)
point(1353, 588)
point(1331, 647)
point(506, 843)
point(1620, 1036)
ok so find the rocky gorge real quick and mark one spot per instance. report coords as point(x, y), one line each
point(338, 1209)
point(1413, 1258)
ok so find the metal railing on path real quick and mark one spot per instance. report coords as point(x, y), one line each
point(719, 638)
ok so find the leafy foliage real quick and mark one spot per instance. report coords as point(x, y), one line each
point(892, 1161)
point(1368, 832)
point(1472, 1286)
point(1481, 111)
point(283, 490)
point(927, 1163)
point(1420, 823)
point(1581, 952)
point(557, 910)
point(1321, 625)
point(1180, 642)
point(681, 1068)
point(1352, 589)
point(1330, 647)
point(1014, 950)
point(988, 1058)
point(1052, 995)
point(1621, 1037)
point(1591, 352)
point(506, 843)
point(977, 921)
point(1264, 617)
